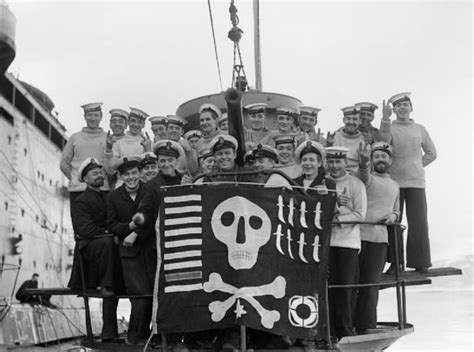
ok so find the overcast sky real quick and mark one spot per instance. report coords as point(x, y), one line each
point(156, 55)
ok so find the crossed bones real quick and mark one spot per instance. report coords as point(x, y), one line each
point(268, 318)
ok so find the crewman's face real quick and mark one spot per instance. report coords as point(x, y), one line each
point(351, 123)
point(118, 125)
point(403, 110)
point(286, 153)
point(285, 123)
point(131, 177)
point(174, 132)
point(159, 131)
point(366, 117)
point(337, 167)
point(207, 122)
point(93, 119)
point(257, 121)
point(264, 163)
point(95, 177)
point(381, 161)
point(310, 163)
point(208, 164)
point(224, 125)
point(307, 122)
point(149, 171)
point(135, 125)
point(193, 142)
point(225, 159)
point(167, 164)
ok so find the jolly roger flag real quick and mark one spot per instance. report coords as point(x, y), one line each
point(245, 255)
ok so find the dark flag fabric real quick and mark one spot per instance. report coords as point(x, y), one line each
point(242, 255)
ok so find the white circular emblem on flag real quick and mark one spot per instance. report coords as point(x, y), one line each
point(303, 311)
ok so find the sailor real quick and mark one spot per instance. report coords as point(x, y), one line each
point(138, 256)
point(134, 142)
point(258, 132)
point(193, 138)
point(223, 122)
point(207, 162)
point(382, 207)
point(307, 122)
point(89, 142)
point(249, 160)
point(366, 113)
point(413, 150)
point(118, 124)
point(187, 163)
point(209, 114)
point(312, 158)
point(285, 119)
point(349, 137)
point(285, 146)
point(158, 127)
point(345, 240)
point(148, 166)
point(96, 245)
point(265, 157)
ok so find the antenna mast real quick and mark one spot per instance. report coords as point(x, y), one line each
point(256, 41)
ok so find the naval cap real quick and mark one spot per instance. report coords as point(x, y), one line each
point(167, 147)
point(366, 106)
point(204, 152)
point(86, 166)
point(382, 146)
point(249, 157)
point(127, 163)
point(176, 120)
point(284, 139)
point(337, 152)
point(119, 113)
point(157, 120)
point(193, 133)
point(310, 147)
point(215, 111)
point(349, 111)
point(147, 158)
point(140, 114)
point(397, 98)
point(255, 108)
point(286, 111)
point(223, 141)
point(309, 110)
point(92, 107)
point(265, 151)
point(224, 117)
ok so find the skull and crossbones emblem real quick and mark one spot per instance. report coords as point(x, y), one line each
point(268, 318)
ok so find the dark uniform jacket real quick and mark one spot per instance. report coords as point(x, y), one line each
point(120, 210)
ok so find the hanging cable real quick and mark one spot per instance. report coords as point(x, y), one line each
point(215, 44)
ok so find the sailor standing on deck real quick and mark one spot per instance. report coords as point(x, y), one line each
point(285, 146)
point(193, 137)
point(285, 119)
point(96, 245)
point(209, 114)
point(312, 157)
point(89, 142)
point(413, 150)
point(258, 132)
point(382, 207)
point(345, 240)
point(307, 122)
point(137, 255)
point(366, 114)
point(118, 124)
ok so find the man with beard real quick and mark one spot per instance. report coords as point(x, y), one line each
point(285, 146)
point(96, 245)
point(345, 240)
point(89, 142)
point(137, 256)
point(158, 127)
point(193, 137)
point(382, 207)
point(366, 114)
point(308, 120)
point(134, 142)
point(413, 150)
point(118, 124)
point(148, 166)
point(257, 133)
point(349, 137)
point(187, 163)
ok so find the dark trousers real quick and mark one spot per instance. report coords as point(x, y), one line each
point(418, 243)
point(109, 318)
point(140, 319)
point(343, 269)
point(371, 263)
